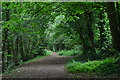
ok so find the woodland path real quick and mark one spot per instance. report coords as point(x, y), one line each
point(51, 66)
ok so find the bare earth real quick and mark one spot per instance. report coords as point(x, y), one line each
point(51, 66)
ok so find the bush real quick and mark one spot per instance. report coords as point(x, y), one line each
point(71, 52)
point(107, 66)
point(47, 52)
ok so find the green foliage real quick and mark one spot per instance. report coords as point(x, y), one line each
point(23, 35)
point(47, 52)
point(9, 68)
point(103, 67)
point(31, 29)
point(109, 66)
point(71, 52)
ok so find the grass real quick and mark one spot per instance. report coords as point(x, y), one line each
point(102, 67)
point(34, 59)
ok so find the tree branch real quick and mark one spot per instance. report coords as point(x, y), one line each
point(39, 11)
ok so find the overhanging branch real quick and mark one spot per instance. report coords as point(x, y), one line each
point(39, 11)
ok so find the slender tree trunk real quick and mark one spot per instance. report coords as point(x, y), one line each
point(25, 46)
point(5, 48)
point(4, 41)
point(15, 54)
point(21, 49)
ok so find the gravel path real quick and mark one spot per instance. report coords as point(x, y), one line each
point(51, 66)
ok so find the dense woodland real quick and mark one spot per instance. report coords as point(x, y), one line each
point(87, 30)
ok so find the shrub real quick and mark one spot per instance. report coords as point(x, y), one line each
point(107, 66)
point(47, 52)
point(71, 52)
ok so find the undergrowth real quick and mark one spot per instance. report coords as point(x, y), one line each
point(102, 67)
point(71, 52)
point(47, 52)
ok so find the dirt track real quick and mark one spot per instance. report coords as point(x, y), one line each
point(51, 66)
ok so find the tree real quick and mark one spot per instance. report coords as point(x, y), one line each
point(114, 27)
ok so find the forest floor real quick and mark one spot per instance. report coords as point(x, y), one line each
point(51, 66)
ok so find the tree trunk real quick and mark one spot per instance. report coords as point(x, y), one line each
point(21, 49)
point(118, 15)
point(89, 22)
point(5, 48)
point(114, 27)
point(15, 54)
point(88, 16)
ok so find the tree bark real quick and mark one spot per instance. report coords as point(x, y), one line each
point(5, 48)
point(21, 48)
point(15, 54)
point(88, 16)
point(114, 27)
point(118, 15)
